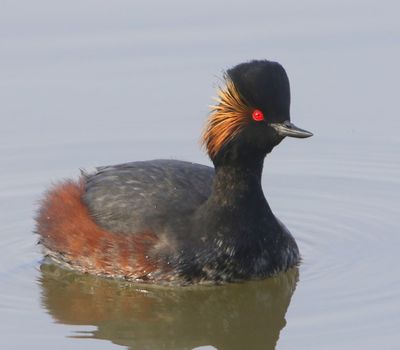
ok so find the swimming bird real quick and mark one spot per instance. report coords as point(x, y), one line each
point(176, 222)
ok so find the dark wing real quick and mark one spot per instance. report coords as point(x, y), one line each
point(137, 196)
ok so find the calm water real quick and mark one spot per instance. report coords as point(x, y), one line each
point(97, 82)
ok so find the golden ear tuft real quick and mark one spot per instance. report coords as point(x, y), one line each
point(227, 118)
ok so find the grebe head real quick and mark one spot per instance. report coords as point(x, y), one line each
point(252, 114)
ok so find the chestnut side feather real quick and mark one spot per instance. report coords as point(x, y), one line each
point(71, 236)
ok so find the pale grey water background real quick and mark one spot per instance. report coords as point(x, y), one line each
point(86, 83)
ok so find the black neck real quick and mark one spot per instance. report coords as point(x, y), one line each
point(236, 208)
point(233, 180)
point(237, 187)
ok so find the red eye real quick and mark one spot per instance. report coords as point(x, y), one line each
point(258, 115)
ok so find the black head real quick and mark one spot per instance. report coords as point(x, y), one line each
point(263, 85)
point(252, 115)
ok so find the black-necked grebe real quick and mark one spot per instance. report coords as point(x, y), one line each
point(169, 221)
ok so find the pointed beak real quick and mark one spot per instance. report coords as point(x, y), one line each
point(288, 129)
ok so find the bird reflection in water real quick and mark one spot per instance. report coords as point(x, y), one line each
point(232, 316)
